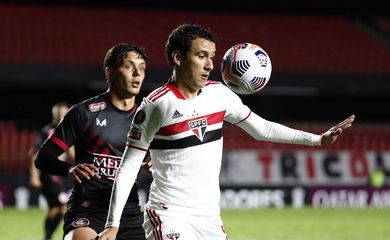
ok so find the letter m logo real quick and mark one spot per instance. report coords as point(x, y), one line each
point(101, 123)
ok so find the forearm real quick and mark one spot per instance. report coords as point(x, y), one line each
point(124, 181)
point(47, 160)
point(264, 130)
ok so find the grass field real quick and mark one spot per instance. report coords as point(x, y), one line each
point(259, 224)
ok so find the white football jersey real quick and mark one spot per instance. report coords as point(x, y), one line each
point(184, 137)
point(185, 140)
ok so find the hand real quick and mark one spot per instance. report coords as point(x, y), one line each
point(107, 234)
point(334, 132)
point(84, 171)
point(147, 165)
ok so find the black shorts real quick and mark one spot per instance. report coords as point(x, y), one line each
point(94, 216)
point(53, 189)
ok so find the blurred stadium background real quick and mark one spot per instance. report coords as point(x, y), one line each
point(330, 59)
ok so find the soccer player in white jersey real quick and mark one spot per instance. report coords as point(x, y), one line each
point(181, 124)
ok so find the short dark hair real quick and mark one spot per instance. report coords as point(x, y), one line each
point(181, 38)
point(117, 53)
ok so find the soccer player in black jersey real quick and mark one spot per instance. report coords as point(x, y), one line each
point(53, 188)
point(97, 128)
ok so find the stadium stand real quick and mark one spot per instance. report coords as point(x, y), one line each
point(71, 35)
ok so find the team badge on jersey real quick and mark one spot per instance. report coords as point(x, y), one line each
point(172, 235)
point(198, 126)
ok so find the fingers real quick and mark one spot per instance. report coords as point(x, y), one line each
point(147, 165)
point(346, 123)
point(337, 129)
point(96, 238)
point(84, 171)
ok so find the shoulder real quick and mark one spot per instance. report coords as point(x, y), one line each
point(158, 94)
point(217, 86)
point(93, 104)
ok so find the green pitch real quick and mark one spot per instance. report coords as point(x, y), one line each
point(259, 224)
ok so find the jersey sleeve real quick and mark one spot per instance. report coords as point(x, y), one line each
point(64, 136)
point(70, 128)
point(41, 138)
point(145, 124)
point(264, 130)
point(236, 111)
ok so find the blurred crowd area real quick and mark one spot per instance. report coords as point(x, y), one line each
point(326, 64)
point(330, 60)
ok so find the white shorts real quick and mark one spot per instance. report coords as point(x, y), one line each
point(163, 225)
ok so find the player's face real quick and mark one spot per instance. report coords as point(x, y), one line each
point(196, 66)
point(126, 80)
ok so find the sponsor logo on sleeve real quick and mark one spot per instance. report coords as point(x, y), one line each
point(94, 107)
point(135, 133)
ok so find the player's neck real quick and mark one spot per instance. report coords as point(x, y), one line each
point(187, 91)
point(124, 104)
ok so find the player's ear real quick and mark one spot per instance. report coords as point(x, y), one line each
point(177, 58)
point(107, 72)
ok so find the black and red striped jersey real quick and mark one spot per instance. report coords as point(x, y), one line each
point(98, 131)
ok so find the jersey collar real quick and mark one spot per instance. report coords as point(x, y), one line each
point(175, 90)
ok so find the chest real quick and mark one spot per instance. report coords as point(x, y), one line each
point(109, 127)
point(187, 110)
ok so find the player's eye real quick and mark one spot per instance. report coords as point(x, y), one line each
point(128, 66)
point(142, 68)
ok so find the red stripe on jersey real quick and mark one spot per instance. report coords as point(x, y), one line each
point(132, 146)
point(175, 91)
point(59, 142)
point(156, 92)
point(160, 94)
point(209, 82)
point(132, 111)
point(180, 127)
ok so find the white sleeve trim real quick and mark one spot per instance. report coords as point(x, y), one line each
point(131, 162)
point(263, 130)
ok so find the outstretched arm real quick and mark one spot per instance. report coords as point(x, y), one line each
point(264, 130)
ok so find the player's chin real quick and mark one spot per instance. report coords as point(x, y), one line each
point(202, 82)
point(132, 92)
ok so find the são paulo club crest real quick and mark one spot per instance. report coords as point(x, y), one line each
point(198, 126)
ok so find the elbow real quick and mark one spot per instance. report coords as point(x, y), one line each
point(38, 162)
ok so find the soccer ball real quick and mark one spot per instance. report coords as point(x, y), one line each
point(246, 68)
